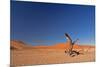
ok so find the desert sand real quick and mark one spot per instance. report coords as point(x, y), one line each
point(22, 54)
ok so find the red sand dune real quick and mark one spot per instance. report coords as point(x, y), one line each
point(15, 44)
point(63, 46)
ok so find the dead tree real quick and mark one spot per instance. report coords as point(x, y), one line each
point(70, 46)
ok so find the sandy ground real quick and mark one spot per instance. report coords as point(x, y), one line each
point(48, 56)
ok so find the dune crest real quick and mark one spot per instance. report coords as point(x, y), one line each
point(16, 44)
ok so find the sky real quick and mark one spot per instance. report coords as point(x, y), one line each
point(38, 23)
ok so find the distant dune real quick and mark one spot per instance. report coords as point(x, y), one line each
point(15, 44)
point(64, 46)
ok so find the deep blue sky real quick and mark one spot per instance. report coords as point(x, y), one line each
point(45, 23)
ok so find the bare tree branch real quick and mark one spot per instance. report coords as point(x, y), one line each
point(68, 37)
point(70, 47)
point(75, 41)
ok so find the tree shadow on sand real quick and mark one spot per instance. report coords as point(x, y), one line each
point(73, 53)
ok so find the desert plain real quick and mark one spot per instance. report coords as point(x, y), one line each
point(23, 54)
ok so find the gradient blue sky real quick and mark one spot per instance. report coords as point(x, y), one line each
point(45, 23)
